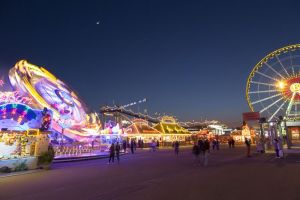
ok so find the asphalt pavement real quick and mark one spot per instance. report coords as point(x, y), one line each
point(162, 175)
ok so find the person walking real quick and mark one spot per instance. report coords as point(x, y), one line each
point(196, 152)
point(248, 146)
point(200, 144)
point(201, 148)
point(111, 153)
point(214, 144)
point(93, 143)
point(157, 144)
point(206, 152)
point(124, 145)
point(260, 145)
point(232, 142)
point(117, 148)
point(276, 147)
point(132, 146)
point(218, 144)
point(153, 146)
point(176, 147)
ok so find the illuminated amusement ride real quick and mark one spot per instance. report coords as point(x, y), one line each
point(47, 91)
point(36, 110)
point(273, 88)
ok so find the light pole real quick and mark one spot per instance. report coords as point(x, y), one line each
point(288, 142)
point(279, 123)
point(262, 135)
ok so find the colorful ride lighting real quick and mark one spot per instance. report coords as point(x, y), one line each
point(20, 119)
point(273, 84)
point(14, 110)
point(281, 85)
point(295, 87)
point(290, 88)
point(49, 92)
point(17, 111)
point(1, 82)
point(44, 90)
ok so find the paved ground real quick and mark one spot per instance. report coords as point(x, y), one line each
point(162, 175)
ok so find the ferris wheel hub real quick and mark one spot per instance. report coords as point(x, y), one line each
point(290, 87)
point(295, 87)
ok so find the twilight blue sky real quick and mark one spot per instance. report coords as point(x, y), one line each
point(188, 58)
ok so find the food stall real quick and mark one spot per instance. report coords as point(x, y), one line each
point(19, 150)
point(141, 131)
point(23, 136)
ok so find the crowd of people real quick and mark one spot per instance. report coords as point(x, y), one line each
point(231, 142)
point(115, 148)
point(200, 150)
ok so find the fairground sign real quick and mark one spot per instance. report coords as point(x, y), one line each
point(251, 116)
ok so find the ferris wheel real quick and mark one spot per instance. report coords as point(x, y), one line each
point(273, 86)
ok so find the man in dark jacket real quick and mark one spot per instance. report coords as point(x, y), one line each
point(248, 145)
point(124, 145)
point(176, 148)
point(118, 151)
point(201, 146)
point(196, 152)
point(206, 145)
point(206, 152)
point(111, 153)
point(132, 146)
point(232, 142)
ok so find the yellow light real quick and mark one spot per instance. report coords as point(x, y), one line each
point(295, 87)
point(281, 84)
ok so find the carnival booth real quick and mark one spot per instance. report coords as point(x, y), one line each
point(203, 134)
point(140, 131)
point(172, 131)
point(237, 136)
point(112, 133)
point(23, 136)
point(240, 135)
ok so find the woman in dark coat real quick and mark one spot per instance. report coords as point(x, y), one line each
point(118, 148)
point(111, 153)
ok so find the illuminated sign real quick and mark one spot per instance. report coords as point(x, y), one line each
point(295, 87)
point(251, 116)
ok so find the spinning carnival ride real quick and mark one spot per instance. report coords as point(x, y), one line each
point(273, 87)
point(69, 116)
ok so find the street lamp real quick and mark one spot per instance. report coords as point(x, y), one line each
point(288, 142)
point(262, 135)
